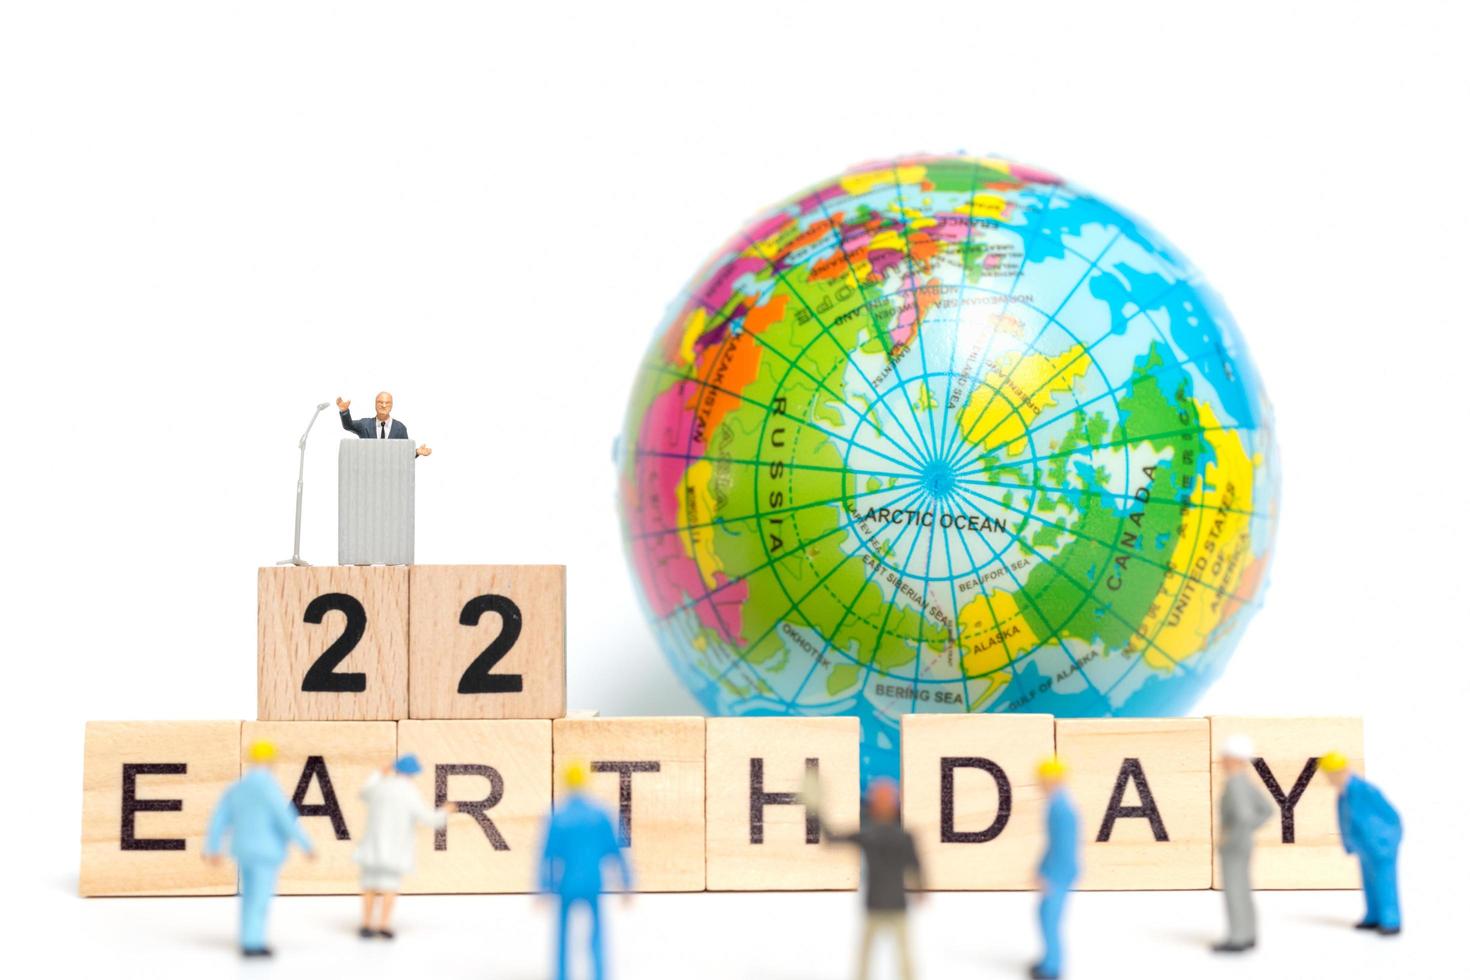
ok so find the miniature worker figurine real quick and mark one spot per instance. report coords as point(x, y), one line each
point(261, 824)
point(1059, 867)
point(381, 426)
point(1371, 829)
point(580, 839)
point(394, 810)
point(1243, 809)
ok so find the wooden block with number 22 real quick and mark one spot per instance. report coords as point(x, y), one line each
point(487, 641)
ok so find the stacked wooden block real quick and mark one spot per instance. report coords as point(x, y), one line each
point(465, 667)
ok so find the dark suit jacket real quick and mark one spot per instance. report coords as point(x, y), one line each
point(368, 428)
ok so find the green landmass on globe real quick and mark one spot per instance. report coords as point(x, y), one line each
point(947, 434)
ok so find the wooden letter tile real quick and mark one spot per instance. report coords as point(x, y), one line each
point(148, 788)
point(333, 644)
point(649, 773)
point(971, 797)
point(321, 766)
point(499, 773)
point(759, 837)
point(1302, 847)
point(488, 641)
point(1142, 788)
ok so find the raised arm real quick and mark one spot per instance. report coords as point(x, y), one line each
point(342, 407)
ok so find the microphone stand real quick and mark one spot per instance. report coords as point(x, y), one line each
point(295, 558)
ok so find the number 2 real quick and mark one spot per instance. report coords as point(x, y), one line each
point(322, 675)
point(477, 678)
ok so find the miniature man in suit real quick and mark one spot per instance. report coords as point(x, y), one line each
point(261, 824)
point(1371, 829)
point(1243, 809)
point(381, 426)
point(1059, 866)
point(580, 839)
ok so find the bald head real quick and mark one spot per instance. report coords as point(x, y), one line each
point(384, 405)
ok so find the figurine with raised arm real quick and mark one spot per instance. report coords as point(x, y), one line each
point(261, 825)
point(381, 426)
point(1243, 809)
point(580, 838)
point(1059, 866)
point(394, 811)
point(1371, 829)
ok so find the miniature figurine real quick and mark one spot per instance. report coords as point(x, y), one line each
point(381, 426)
point(394, 810)
point(1059, 865)
point(1371, 829)
point(1243, 809)
point(580, 838)
point(261, 824)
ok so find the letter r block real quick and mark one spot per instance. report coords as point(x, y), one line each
point(148, 788)
point(971, 798)
point(758, 834)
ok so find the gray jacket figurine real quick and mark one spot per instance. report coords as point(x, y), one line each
point(1243, 810)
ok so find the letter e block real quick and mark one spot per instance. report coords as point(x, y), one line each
point(1301, 847)
point(488, 641)
point(971, 798)
point(1142, 788)
point(649, 773)
point(321, 766)
point(499, 775)
point(333, 644)
point(758, 834)
point(148, 788)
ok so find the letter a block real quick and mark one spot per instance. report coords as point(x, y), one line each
point(1301, 847)
point(321, 766)
point(148, 788)
point(488, 641)
point(649, 772)
point(499, 775)
point(759, 836)
point(971, 797)
point(333, 644)
point(1142, 788)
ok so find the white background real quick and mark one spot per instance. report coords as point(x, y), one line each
point(214, 216)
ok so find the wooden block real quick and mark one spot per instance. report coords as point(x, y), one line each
point(971, 798)
point(499, 772)
point(321, 766)
point(1302, 848)
point(758, 837)
point(333, 644)
point(650, 773)
point(488, 641)
point(148, 788)
point(1142, 788)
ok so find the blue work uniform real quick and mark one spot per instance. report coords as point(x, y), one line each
point(1058, 870)
point(580, 837)
point(261, 824)
point(1371, 829)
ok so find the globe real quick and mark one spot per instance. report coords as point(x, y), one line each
point(947, 434)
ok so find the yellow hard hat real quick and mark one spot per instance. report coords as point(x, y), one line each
point(1052, 768)
point(574, 776)
point(260, 753)
point(1332, 762)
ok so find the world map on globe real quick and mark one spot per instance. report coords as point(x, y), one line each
point(947, 434)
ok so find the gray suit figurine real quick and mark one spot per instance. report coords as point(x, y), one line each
point(1243, 809)
point(381, 426)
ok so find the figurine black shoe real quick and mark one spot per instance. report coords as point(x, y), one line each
point(263, 951)
point(1037, 973)
point(386, 933)
point(1229, 947)
point(367, 933)
point(1365, 924)
point(1389, 930)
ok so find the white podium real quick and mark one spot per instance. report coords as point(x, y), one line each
point(375, 502)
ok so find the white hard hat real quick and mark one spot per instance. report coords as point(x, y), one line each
point(1238, 747)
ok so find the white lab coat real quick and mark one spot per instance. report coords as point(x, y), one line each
point(394, 810)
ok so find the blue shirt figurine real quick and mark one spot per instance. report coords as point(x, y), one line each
point(1059, 866)
point(1371, 829)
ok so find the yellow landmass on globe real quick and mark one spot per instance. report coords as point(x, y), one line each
point(993, 633)
point(1018, 390)
point(861, 183)
point(696, 512)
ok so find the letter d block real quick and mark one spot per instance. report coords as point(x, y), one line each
point(499, 775)
point(333, 644)
point(148, 788)
point(649, 772)
point(971, 797)
point(1301, 847)
point(321, 766)
point(1142, 788)
point(758, 834)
